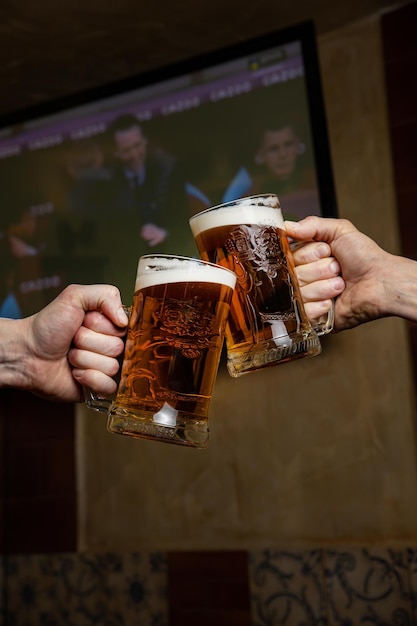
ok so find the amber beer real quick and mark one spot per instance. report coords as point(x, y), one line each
point(267, 322)
point(173, 347)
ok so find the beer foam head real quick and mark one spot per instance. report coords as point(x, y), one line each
point(162, 269)
point(261, 210)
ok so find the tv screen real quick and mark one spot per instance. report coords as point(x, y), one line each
point(90, 183)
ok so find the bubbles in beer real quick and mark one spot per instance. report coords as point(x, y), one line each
point(175, 337)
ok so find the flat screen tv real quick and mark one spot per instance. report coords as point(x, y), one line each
point(91, 182)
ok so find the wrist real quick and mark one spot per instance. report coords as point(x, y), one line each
point(399, 283)
point(15, 370)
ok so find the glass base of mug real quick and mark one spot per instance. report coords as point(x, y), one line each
point(163, 426)
point(272, 352)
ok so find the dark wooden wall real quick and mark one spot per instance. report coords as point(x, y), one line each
point(38, 503)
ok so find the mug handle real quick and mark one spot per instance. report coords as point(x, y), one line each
point(96, 402)
point(324, 324)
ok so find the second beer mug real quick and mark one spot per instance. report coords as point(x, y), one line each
point(267, 322)
point(173, 347)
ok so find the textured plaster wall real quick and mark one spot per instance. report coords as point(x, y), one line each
point(321, 450)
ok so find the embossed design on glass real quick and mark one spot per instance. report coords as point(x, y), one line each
point(267, 322)
point(173, 347)
point(186, 326)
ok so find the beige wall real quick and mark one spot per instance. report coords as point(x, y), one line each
point(320, 450)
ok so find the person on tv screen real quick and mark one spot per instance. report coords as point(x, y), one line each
point(137, 182)
point(145, 179)
point(134, 203)
point(281, 166)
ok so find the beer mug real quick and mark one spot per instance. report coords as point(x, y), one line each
point(173, 347)
point(267, 323)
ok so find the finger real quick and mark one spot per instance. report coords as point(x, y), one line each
point(308, 252)
point(84, 359)
point(99, 343)
point(100, 323)
point(95, 380)
point(322, 289)
point(314, 310)
point(319, 270)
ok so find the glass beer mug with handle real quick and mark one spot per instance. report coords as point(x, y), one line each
point(173, 347)
point(267, 322)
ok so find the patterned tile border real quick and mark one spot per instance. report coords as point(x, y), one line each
point(85, 589)
point(339, 587)
point(349, 586)
point(368, 586)
point(287, 587)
